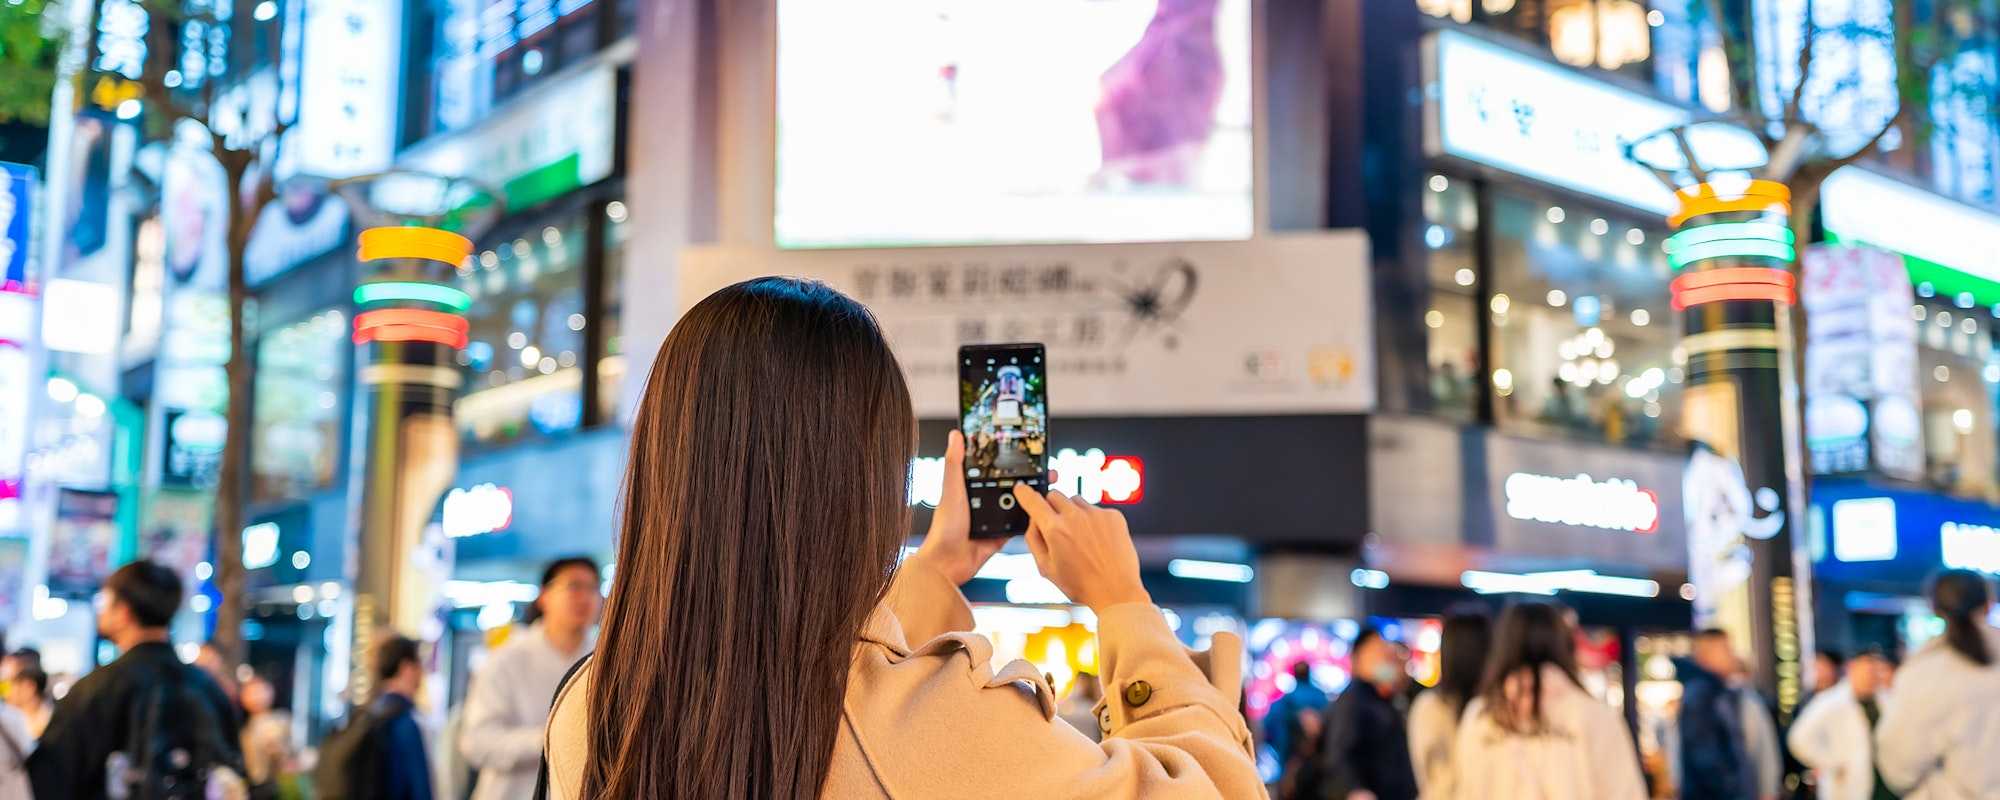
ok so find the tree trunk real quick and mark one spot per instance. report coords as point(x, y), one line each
point(232, 479)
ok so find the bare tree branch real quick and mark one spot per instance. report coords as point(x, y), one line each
point(1785, 157)
point(1794, 107)
point(1666, 176)
point(1687, 152)
point(1874, 142)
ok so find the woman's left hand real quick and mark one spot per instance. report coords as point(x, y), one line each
point(949, 547)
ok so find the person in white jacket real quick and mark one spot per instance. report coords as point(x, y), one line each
point(1834, 735)
point(1534, 732)
point(1941, 740)
point(507, 707)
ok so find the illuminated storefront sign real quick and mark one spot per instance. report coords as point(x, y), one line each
point(1864, 529)
point(561, 138)
point(1089, 475)
point(1495, 105)
point(17, 205)
point(347, 92)
point(1612, 504)
point(1968, 546)
point(482, 509)
point(1952, 246)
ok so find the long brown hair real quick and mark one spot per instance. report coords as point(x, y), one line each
point(1961, 598)
point(765, 502)
point(1530, 636)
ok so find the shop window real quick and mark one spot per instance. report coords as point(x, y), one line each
point(611, 368)
point(1664, 42)
point(523, 360)
point(1957, 370)
point(297, 415)
point(1584, 340)
point(482, 52)
point(1451, 216)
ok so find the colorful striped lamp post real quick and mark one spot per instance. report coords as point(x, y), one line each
point(1732, 253)
point(412, 321)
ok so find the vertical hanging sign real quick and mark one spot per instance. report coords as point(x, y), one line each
point(347, 87)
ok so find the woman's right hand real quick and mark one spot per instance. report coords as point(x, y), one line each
point(1084, 550)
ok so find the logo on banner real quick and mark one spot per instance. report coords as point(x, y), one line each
point(1612, 504)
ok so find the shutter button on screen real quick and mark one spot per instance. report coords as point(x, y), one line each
point(1007, 502)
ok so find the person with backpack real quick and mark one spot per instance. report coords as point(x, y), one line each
point(379, 754)
point(145, 726)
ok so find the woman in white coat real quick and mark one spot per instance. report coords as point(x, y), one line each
point(1533, 732)
point(1467, 636)
point(1941, 740)
point(1834, 734)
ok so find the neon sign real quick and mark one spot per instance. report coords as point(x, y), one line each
point(482, 509)
point(1090, 476)
point(1974, 547)
point(1612, 504)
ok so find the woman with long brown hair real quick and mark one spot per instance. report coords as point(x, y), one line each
point(1533, 731)
point(761, 640)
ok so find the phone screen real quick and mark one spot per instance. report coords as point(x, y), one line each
point(1003, 412)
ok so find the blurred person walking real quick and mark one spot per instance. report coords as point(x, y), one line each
point(761, 641)
point(1533, 732)
point(1715, 759)
point(269, 760)
point(1834, 734)
point(1365, 752)
point(146, 724)
point(1292, 727)
point(28, 693)
point(1434, 716)
point(1761, 742)
point(1940, 740)
point(15, 745)
point(507, 707)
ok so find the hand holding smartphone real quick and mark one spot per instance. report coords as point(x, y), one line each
point(1003, 413)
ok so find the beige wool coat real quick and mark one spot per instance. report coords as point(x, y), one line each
point(927, 717)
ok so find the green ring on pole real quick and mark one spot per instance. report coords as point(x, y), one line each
point(1731, 248)
point(1764, 231)
point(412, 291)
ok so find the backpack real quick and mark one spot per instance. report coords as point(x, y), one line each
point(176, 746)
point(350, 760)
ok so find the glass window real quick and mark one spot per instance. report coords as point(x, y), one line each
point(1451, 215)
point(481, 52)
point(611, 369)
point(1669, 44)
point(523, 360)
point(1584, 339)
point(1957, 366)
point(296, 414)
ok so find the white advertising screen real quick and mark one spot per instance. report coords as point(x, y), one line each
point(950, 122)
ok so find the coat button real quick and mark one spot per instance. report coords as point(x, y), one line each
point(1137, 693)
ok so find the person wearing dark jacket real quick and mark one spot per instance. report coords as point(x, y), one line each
point(1715, 759)
point(96, 716)
point(406, 766)
point(1365, 752)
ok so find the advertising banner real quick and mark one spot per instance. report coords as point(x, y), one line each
point(17, 206)
point(1278, 325)
point(1861, 363)
point(174, 530)
point(81, 541)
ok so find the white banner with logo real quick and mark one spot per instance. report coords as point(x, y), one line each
point(1276, 325)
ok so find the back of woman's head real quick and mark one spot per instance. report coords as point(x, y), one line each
point(1462, 650)
point(1961, 597)
point(1530, 637)
point(764, 505)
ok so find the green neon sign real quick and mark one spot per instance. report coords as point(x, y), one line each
point(412, 291)
point(1761, 231)
point(1730, 248)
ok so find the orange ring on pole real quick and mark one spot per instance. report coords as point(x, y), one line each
point(417, 317)
point(430, 244)
point(1703, 198)
point(1732, 276)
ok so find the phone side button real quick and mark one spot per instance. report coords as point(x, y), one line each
point(1007, 502)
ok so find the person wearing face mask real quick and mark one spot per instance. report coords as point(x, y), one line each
point(1365, 753)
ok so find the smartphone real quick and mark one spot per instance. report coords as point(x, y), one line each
point(1003, 410)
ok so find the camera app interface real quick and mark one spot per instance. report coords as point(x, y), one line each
point(1005, 417)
